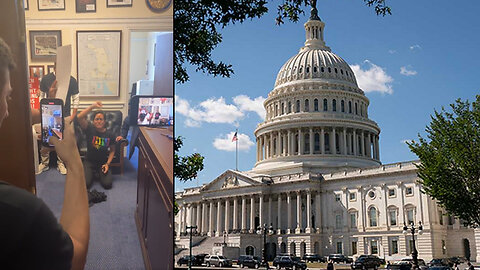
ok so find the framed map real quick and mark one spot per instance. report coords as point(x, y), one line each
point(98, 63)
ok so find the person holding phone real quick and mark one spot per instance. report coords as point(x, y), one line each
point(30, 235)
point(48, 89)
point(100, 147)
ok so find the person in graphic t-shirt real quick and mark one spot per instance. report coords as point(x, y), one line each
point(100, 147)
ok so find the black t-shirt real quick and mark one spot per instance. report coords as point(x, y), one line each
point(47, 82)
point(30, 235)
point(98, 145)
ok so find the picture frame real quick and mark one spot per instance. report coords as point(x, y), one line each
point(44, 44)
point(25, 4)
point(85, 6)
point(99, 51)
point(50, 69)
point(119, 3)
point(36, 71)
point(51, 5)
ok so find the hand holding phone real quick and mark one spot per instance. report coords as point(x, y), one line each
point(52, 119)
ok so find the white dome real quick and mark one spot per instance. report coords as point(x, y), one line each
point(316, 64)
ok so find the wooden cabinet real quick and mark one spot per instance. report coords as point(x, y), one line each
point(154, 212)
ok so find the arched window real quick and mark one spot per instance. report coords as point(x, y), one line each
point(314, 69)
point(283, 247)
point(296, 144)
point(250, 250)
point(342, 105)
point(276, 109)
point(322, 69)
point(307, 105)
point(337, 142)
point(329, 70)
point(306, 143)
point(315, 105)
point(334, 105)
point(292, 249)
point(349, 107)
point(297, 109)
point(356, 108)
point(274, 146)
point(327, 142)
point(336, 71)
point(283, 108)
point(372, 215)
point(325, 105)
point(316, 142)
point(289, 109)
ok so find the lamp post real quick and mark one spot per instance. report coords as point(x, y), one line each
point(264, 230)
point(412, 230)
point(190, 230)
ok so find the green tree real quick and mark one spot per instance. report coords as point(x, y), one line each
point(185, 168)
point(196, 24)
point(449, 166)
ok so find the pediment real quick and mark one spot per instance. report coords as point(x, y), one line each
point(230, 179)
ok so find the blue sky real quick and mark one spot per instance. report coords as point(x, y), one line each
point(422, 57)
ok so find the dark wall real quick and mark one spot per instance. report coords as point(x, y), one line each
point(16, 146)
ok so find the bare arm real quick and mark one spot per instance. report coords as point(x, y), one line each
point(83, 114)
point(75, 218)
point(75, 101)
point(106, 166)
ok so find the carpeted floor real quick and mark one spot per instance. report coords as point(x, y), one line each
point(114, 240)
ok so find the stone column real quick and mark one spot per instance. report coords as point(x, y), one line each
point(189, 215)
point(344, 152)
point(261, 148)
point(363, 143)
point(300, 142)
point(334, 142)
point(354, 143)
point(299, 212)
point(289, 143)
point(402, 206)
point(418, 194)
point(361, 213)
point(180, 222)
point(385, 205)
point(476, 233)
point(244, 214)
point(235, 213)
point(285, 145)
point(309, 212)
point(311, 141)
point(219, 219)
point(279, 150)
point(269, 209)
point(199, 218)
point(271, 150)
point(279, 213)
point(289, 213)
point(252, 214)
point(260, 210)
point(210, 224)
point(322, 140)
point(318, 214)
point(377, 148)
point(204, 218)
point(227, 215)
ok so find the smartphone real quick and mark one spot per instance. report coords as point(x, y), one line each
point(52, 119)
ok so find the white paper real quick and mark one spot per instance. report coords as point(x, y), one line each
point(63, 70)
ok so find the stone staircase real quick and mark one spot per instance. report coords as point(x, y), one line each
point(204, 246)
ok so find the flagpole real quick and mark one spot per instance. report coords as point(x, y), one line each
point(236, 152)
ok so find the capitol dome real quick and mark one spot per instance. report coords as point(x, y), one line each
point(316, 115)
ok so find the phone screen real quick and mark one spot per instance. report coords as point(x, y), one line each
point(52, 122)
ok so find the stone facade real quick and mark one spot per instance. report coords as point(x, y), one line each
point(318, 183)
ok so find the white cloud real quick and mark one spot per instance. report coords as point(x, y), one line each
point(247, 104)
point(224, 142)
point(210, 111)
point(415, 47)
point(392, 51)
point(373, 78)
point(216, 110)
point(405, 71)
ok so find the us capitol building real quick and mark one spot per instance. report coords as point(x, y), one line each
point(318, 182)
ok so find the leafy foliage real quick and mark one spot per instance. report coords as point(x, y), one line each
point(186, 168)
point(196, 23)
point(450, 167)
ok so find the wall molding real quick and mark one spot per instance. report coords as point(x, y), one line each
point(164, 23)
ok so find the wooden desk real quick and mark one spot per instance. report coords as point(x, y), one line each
point(154, 212)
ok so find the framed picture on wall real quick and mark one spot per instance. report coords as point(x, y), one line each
point(98, 51)
point(119, 3)
point(36, 71)
point(82, 6)
point(51, 5)
point(50, 69)
point(44, 44)
point(25, 4)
